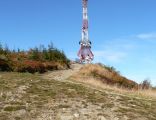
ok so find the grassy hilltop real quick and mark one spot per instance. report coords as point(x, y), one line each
point(26, 96)
point(68, 91)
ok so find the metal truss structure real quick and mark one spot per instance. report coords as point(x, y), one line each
point(85, 54)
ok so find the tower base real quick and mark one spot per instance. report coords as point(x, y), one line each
point(85, 54)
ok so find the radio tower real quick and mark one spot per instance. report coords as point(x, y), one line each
point(85, 54)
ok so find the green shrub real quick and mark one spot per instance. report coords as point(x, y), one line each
point(4, 64)
point(39, 59)
point(146, 84)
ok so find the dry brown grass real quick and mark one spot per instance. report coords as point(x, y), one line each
point(90, 68)
point(147, 93)
point(92, 75)
point(105, 75)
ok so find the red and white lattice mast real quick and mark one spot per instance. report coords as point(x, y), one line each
point(85, 54)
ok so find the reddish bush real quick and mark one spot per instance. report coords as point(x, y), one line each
point(34, 66)
point(38, 59)
point(50, 65)
point(29, 66)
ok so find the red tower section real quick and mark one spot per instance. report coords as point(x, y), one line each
point(85, 54)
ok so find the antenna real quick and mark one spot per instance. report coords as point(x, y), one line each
point(85, 54)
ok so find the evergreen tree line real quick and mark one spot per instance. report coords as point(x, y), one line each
point(36, 59)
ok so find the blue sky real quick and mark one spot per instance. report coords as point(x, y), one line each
point(123, 32)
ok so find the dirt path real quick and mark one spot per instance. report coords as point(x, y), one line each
point(63, 74)
point(106, 106)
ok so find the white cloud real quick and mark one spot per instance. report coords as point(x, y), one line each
point(111, 56)
point(117, 50)
point(147, 36)
point(114, 51)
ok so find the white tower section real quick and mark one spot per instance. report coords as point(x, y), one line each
point(85, 38)
point(85, 53)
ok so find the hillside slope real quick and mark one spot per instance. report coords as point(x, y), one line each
point(105, 74)
point(55, 96)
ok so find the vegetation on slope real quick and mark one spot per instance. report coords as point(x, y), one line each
point(38, 59)
point(108, 78)
point(105, 74)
